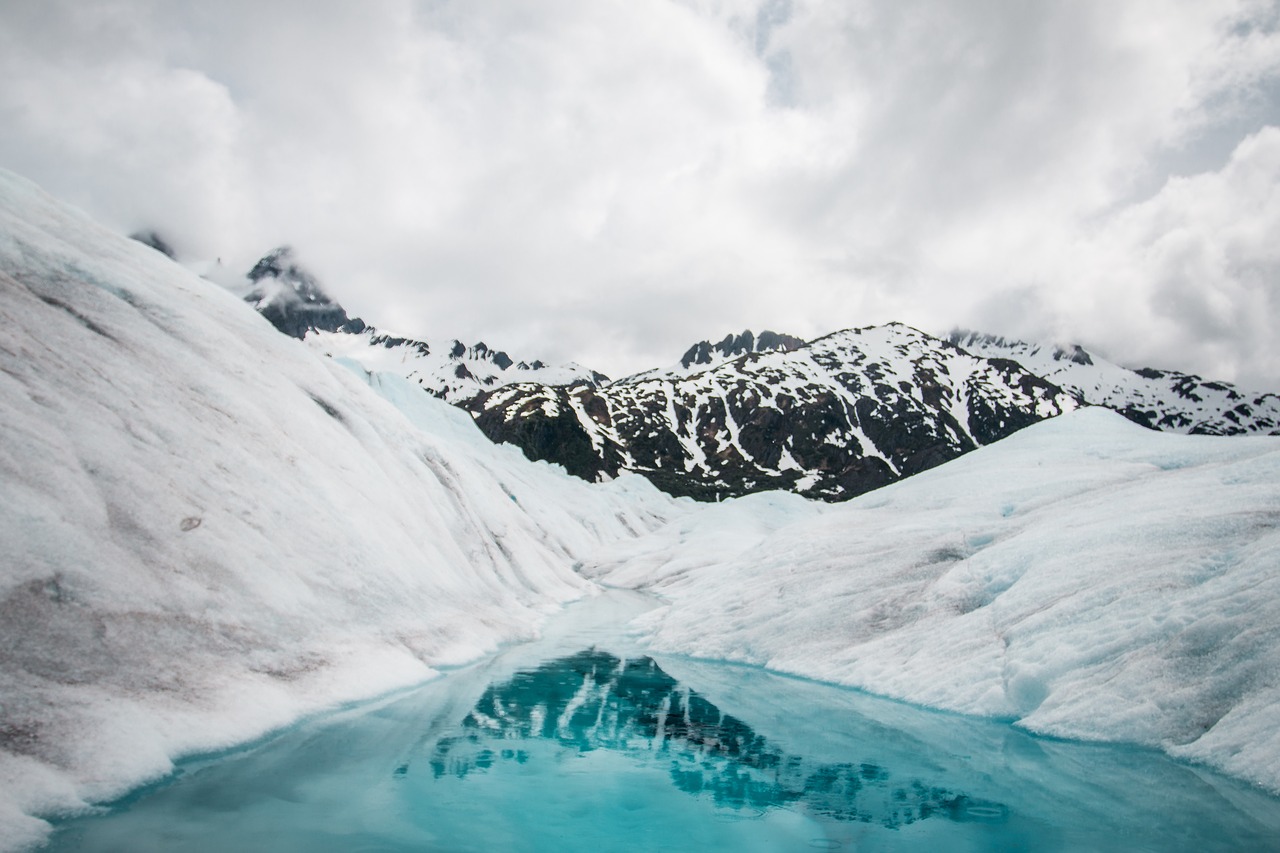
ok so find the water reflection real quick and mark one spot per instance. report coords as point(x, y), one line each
point(594, 700)
point(546, 747)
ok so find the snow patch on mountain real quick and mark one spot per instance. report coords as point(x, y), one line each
point(447, 369)
point(1160, 399)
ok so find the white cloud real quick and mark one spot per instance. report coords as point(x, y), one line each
point(1196, 267)
point(608, 181)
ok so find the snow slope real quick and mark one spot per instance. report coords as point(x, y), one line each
point(209, 530)
point(1085, 577)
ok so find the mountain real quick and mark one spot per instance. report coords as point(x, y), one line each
point(293, 300)
point(1166, 400)
point(152, 238)
point(829, 419)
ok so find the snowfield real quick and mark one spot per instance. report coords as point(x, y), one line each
point(1085, 577)
point(210, 530)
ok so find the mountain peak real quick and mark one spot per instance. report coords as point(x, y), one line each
point(733, 346)
point(978, 341)
point(291, 297)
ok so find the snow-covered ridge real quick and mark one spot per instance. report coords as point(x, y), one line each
point(833, 418)
point(293, 300)
point(210, 531)
point(447, 369)
point(1166, 400)
point(1086, 577)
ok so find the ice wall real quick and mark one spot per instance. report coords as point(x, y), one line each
point(210, 530)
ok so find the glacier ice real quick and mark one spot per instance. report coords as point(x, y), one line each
point(209, 530)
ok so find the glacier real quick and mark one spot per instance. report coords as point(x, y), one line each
point(212, 530)
point(209, 531)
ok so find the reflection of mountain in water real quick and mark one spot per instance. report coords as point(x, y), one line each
point(594, 700)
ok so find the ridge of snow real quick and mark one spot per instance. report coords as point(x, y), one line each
point(448, 369)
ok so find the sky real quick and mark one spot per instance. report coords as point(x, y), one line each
point(609, 181)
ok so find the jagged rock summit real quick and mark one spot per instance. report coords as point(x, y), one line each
point(707, 353)
point(292, 299)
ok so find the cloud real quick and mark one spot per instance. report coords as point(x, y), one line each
point(608, 181)
point(1197, 265)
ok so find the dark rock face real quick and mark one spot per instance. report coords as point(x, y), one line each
point(831, 419)
point(705, 352)
point(291, 298)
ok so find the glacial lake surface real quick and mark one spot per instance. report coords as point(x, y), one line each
point(582, 741)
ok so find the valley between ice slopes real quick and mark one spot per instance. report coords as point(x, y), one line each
point(211, 530)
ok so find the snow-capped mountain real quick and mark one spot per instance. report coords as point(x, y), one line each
point(292, 299)
point(1166, 400)
point(830, 419)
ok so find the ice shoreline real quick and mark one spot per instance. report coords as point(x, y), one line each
point(1086, 578)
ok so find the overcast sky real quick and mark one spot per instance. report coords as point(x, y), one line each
point(608, 181)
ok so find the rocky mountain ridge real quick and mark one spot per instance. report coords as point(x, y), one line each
point(292, 299)
point(1167, 400)
point(834, 418)
point(830, 419)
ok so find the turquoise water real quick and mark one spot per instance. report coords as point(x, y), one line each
point(584, 742)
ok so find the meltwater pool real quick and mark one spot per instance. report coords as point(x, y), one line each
point(584, 742)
